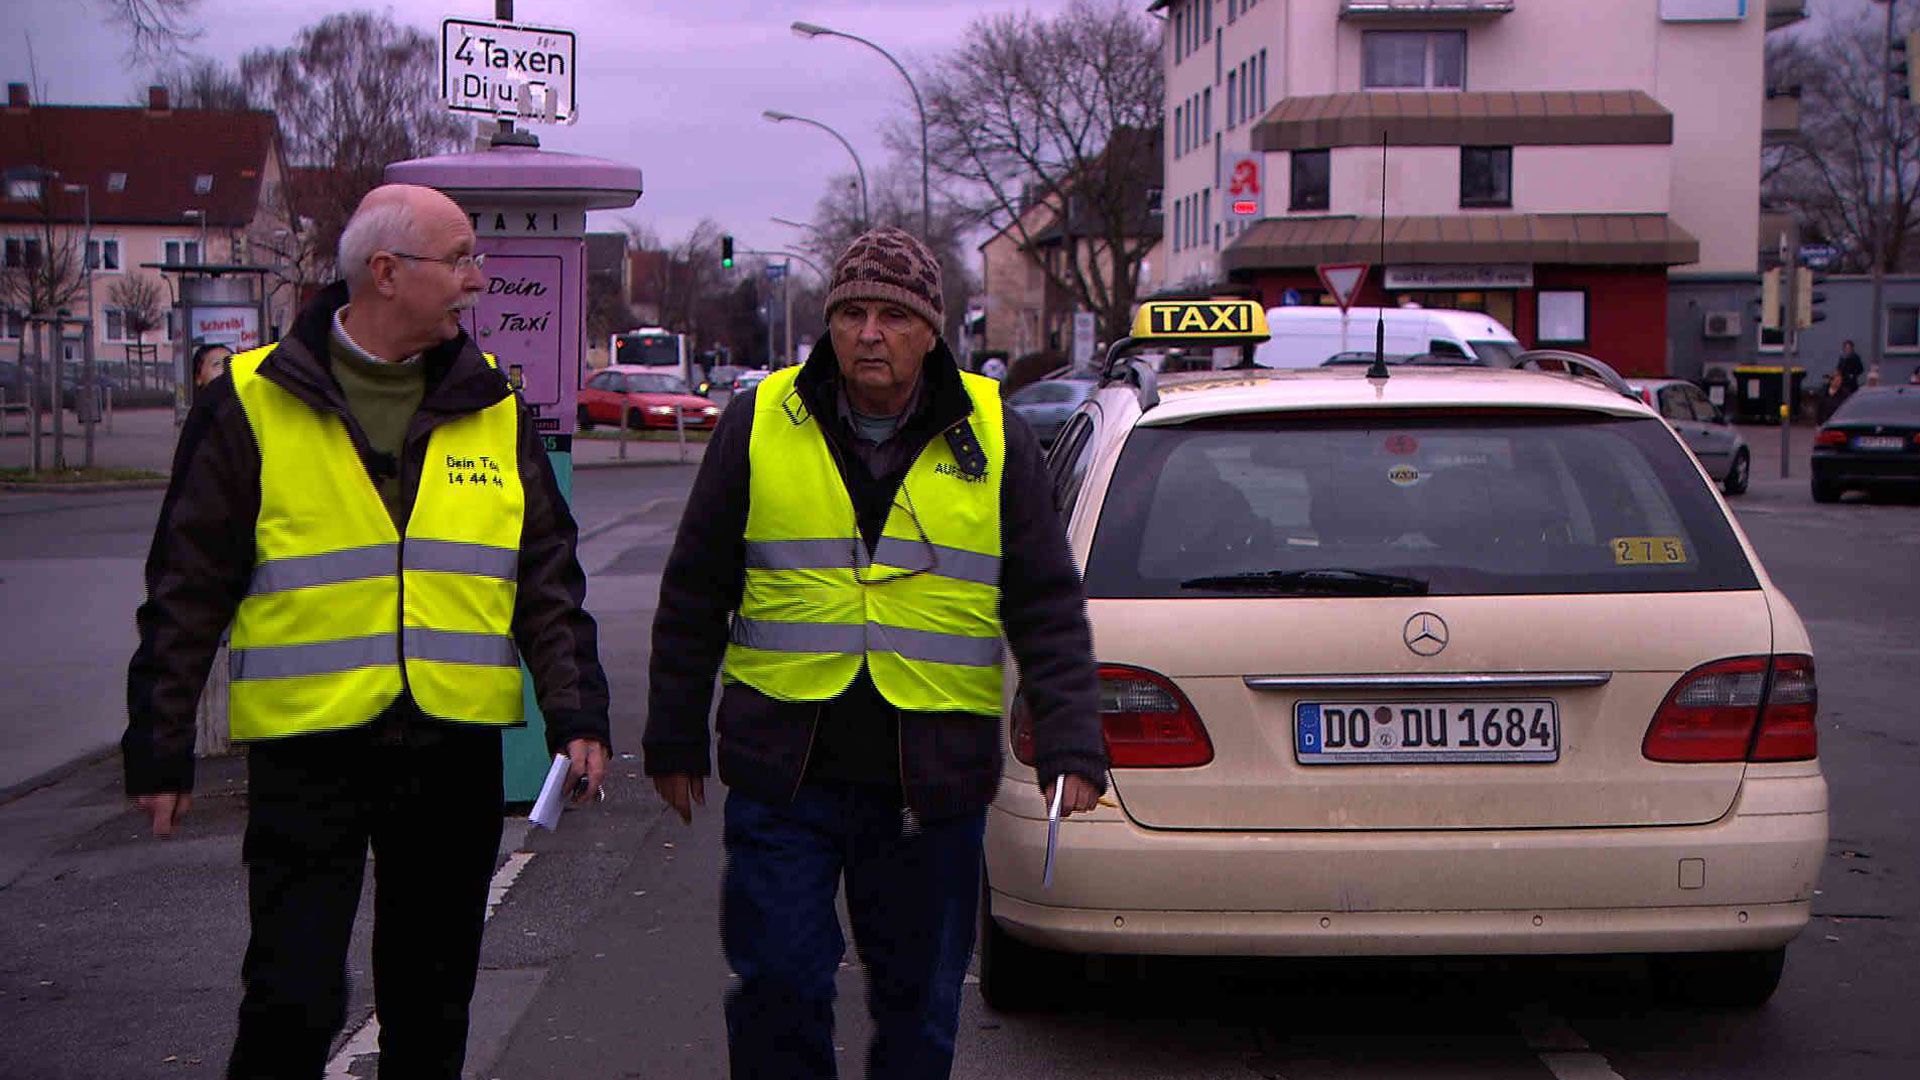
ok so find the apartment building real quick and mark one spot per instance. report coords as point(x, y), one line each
point(1587, 172)
point(157, 185)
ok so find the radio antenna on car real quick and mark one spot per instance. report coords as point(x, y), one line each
point(1379, 368)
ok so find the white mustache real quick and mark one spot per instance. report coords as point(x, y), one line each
point(466, 303)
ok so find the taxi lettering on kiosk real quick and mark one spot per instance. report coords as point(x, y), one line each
point(1419, 659)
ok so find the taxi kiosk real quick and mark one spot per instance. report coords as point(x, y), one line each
point(529, 209)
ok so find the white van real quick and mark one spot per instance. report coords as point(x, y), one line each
point(1310, 336)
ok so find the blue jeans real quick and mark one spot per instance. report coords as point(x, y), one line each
point(913, 892)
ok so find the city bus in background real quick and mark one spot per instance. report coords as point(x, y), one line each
point(662, 349)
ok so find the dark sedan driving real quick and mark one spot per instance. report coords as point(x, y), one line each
point(1872, 443)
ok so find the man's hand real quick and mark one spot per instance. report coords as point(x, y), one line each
point(1081, 796)
point(682, 792)
point(586, 758)
point(164, 810)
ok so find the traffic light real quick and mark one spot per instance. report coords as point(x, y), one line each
point(726, 252)
point(1807, 299)
point(1770, 299)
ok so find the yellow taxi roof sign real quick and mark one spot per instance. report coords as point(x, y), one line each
point(1219, 322)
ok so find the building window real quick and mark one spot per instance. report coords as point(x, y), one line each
point(13, 324)
point(1206, 217)
point(1486, 176)
point(1903, 327)
point(1414, 59)
point(202, 183)
point(22, 253)
point(1233, 98)
point(116, 181)
point(1179, 117)
point(117, 325)
point(23, 190)
point(182, 251)
point(1262, 107)
point(1312, 179)
point(1206, 114)
point(1562, 317)
point(103, 254)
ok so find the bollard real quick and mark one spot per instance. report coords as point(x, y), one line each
point(680, 429)
point(109, 410)
point(626, 419)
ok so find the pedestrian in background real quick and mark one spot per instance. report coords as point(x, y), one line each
point(368, 508)
point(1850, 368)
point(209, 363)
point(875, 524)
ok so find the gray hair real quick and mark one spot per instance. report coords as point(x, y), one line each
point(387, 225)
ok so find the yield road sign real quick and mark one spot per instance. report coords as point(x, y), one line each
point(1343, 280)
point(498, 69)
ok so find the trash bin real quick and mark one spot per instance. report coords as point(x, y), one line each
point(1718, 383)
point(1756, 393)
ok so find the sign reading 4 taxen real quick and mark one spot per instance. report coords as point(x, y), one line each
point(497, 69)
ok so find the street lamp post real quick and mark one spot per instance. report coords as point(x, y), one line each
point(86, 397)
point(812, 30)
point(1880, 239)
point(778, 117)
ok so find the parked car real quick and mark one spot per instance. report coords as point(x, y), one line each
point(1307, 336)
point(1468, 660)
point(653, 400)
point(1704, 427)
point(1872, 442)
point(1045, 405)
point(747, 380)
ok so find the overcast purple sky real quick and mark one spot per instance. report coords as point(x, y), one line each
point(674, 86)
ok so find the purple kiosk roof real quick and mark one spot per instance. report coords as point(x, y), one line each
point(516, 174)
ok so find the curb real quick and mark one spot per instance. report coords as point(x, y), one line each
point(104, 486)
point(49, 777)
point(631, 463)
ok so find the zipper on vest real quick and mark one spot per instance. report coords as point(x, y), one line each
point(813, 735)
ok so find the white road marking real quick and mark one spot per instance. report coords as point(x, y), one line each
point(1561, 1049)
point(366, 1041)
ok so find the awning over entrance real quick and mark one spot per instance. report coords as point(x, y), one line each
point(1469, 118)
point(1567, 239)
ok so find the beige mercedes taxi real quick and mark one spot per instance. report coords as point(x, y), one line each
point(1458, 660)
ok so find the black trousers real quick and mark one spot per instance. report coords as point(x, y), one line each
point(431, 809)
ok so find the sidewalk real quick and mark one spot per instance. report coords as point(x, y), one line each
point(1765, 484)
point(144, 439)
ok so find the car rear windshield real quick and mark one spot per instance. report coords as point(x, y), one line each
point(1495, 504)
point(1895, 405)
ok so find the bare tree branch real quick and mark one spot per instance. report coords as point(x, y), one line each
point(155, 28)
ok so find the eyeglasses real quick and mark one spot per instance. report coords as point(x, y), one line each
point(460, 263)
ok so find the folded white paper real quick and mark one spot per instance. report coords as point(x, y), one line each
point(1053, 832)
point(553, 795)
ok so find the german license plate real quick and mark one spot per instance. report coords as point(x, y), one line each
point(1427, 732)
point(1879, 442)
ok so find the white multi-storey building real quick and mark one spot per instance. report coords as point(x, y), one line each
point(1577, 168)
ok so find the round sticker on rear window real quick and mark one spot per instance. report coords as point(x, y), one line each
point(1404, 475)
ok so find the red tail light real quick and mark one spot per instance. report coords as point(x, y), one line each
point(1787, 731)
point(1147, 721)
point(1714, 713)
point(1830, 437)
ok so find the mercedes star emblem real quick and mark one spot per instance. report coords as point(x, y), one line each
point(1426, 634)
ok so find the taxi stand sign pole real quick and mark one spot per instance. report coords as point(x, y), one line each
point(528, 208)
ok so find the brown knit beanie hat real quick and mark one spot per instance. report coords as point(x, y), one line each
point(892, 266)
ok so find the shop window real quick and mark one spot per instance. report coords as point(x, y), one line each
point(1414, 60)
point(1562, 317)
point(1312, 179)
point(1486, 176)
point(1903, 327)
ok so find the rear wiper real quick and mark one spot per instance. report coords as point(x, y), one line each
point(1331, 580)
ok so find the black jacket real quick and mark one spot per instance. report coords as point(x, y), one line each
point(947, 763)
point(202, 557)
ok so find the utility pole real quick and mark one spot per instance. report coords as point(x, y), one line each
point(786, 292)
point(1881, 241)
point(1790, 340)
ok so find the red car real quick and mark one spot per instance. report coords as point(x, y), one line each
point(651, 398)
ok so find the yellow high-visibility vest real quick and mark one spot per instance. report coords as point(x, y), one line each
point(344, 612)
point(922, 611)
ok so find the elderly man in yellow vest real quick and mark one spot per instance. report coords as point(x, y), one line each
point(365, 506)
point(867, 535)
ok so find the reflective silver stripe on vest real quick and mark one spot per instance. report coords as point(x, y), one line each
point(329, 568)
point(950, 562)
point(835, 554)
point(461, 647)
point(855, 638)
point(933, 647)
point(459, 557)
point(317, 658)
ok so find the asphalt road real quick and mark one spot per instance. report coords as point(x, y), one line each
point(119, 956)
